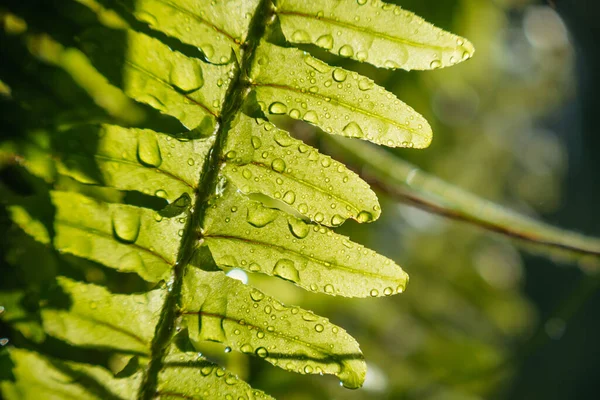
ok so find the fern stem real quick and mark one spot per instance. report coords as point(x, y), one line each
point(236, 94)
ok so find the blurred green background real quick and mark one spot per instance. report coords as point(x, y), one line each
point(480, 319)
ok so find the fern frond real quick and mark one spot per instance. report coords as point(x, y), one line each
point(217, 184)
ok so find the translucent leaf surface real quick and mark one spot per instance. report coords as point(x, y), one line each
point(379, 33)
point(263, 159)
point(186, 375)
point(220, 309)
point(216, 27)
point(245, 234)
point(186, 88)
point(128, 238)
point(126, 159)
point(13, 312)
point(289, 81)
point(59, 380)
point(95, 317)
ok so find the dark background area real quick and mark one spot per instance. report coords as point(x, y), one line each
point(569, 367)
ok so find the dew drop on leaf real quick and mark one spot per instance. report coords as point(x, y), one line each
point(339, 75)
point(278, 165)
point(325, 41)
point(259, 216)
point(346, 51)
point(262, 352)
point(298, 227)
point(126, 225)
point(353, 130)
point(286, 269)
point(187, 76)
point(277, 108)
point(148, 152)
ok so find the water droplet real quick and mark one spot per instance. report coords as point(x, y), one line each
point(298, 227)
point(328, 289)
point(365, 84)
point(316, 64)
point(187, 76)
point(325, 41)
point(353, 130)
point(285, 269)
point(361, 2)
point(230, 380)
point(161, 193)
point(308, 369)
point(319, 217)
point(231, 155)
point(247, 348)
point(361, 55)
point(126, 225)
point(207, 369)
point(262, 352)
point(374, 293)
point(256, 142)
point(278, 165)
point(388, 291)
point(435, 64)
point(303, 208)
point(3, 342)
point(256, 295)
point(346, 51)
point(259, 216)
point(191, 162)
point(148, 152)
point(311, 117)
point(294, 113)
point(339, 75)
point(289, 197)
point(277, 108)
point(227, 349)
point(283, 139)
point(364, 216)
point(337, 220)
point(389, 64)
point(301, 37)
point(319, 328)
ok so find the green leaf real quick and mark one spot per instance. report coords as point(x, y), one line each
point(186, 88)
point(260, 158)
point(59, 380)
point(127, 238)
point(245, 234)
point(129, 159)
point(379, 33)
point(218, 308)
point(289, 81)
point(186, 375)
point(97, 318)
point(216, 28)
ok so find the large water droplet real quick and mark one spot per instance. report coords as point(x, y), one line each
point(260, 216)
point(285, 269)
point(298, 227)
point(337, 220)
point(262, 352)
point(247, 348)
point(311, 117)
point(148, 152)
point(364, 216)
point(325, 41)
point(283, 139)
point(317, 64)
point(256, 295)
point(278, 165)
point(353, 130)
point(277, 108)
point(339, 75)
point(300, 36)
point(256, 142)
point(289, 197)
point(365, 84)
point(187, 76)
point(126, 225)
point(346, 51)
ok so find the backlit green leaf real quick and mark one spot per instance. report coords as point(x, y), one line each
point(220, 309)
point(373, 31)
point(263, 159)
point(58, 380)
point(216, 28)
point(245, 234)
point(95, 317)
point(289, 81)
point(186, 88)
point(128, 238)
